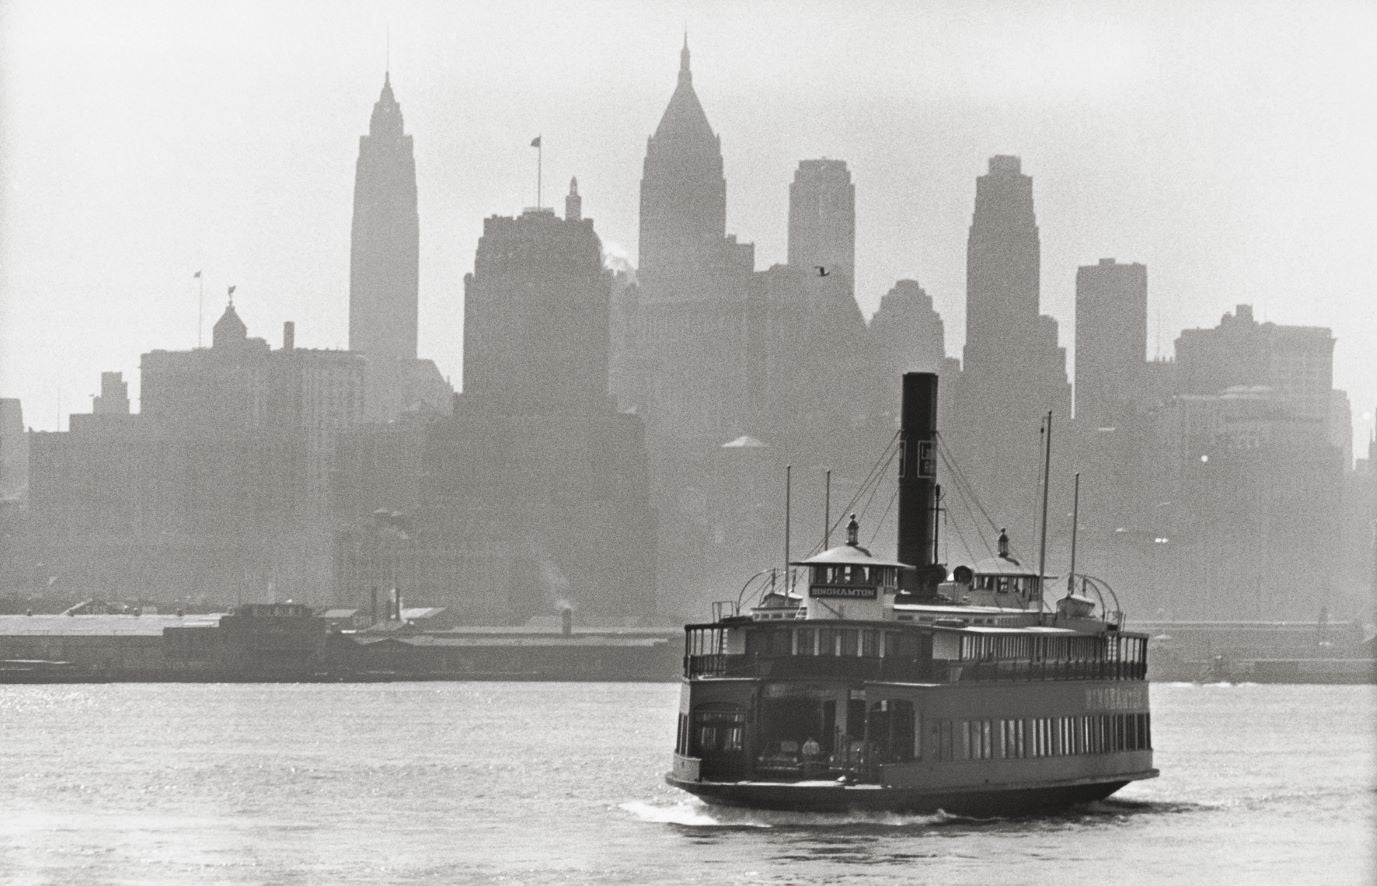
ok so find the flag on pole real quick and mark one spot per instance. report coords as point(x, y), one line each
point(196, 276)
point(535, 142)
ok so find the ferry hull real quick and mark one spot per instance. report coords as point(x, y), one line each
point(982, 802)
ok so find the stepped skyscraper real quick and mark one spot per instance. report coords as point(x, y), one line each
point(533, 495)
point(385, 250)
point(822, 217)
point(536, 314)
point(1014, 371)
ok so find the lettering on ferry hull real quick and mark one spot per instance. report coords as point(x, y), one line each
point(1116, 698)
point(842, 592)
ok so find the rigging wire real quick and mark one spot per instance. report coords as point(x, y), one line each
point(875, 487)
point(967, 489)
point(873, 477)
point(967, 495)
point(950, 460)
point(881, 522)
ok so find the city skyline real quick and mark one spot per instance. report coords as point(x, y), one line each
point(196, 152)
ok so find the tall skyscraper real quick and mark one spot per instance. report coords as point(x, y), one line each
point(1013, 371)
point(536, 315)
point(384, 257)
point(683, 193)
point(517, 492)
point(691, 341)
point(1111, 340)
point(822, 217)
point(1002, 262)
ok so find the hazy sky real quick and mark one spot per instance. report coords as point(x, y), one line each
point(1231, 147)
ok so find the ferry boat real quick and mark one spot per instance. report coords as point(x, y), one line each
point(890, 685)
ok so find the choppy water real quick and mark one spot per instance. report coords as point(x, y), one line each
point(560, 783)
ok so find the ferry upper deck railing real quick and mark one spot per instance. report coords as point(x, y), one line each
point(791, 651)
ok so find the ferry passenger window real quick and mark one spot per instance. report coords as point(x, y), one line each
point(827, 641)
point(870, 644)
point(848, 642)
point(1003, 585)
point(777, 643)
point(806, 638)
point(718, 728)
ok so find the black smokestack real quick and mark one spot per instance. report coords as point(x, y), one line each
point(917, 481)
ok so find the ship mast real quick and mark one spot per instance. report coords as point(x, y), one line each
point(1042, 539)
point(1075, 519)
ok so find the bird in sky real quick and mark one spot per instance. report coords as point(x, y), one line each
point(822, 271)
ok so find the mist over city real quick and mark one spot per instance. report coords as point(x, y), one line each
point(659, 443)
point(545, 334)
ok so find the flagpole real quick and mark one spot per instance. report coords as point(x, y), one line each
point(539, 156)
point(200, 306)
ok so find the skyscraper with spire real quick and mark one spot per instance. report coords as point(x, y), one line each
point(384, 267)
point(683, 192)
point(694, 283)
point(385, 249)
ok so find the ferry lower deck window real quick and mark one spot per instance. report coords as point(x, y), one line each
point(848, 642)
point(718, 728)
point(804, 642)
point(942, 739)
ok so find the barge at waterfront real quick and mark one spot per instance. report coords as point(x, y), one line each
point(889, 686)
